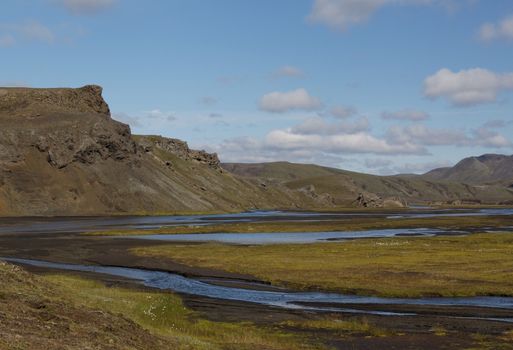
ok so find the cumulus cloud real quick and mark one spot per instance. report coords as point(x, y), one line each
point(208, 100)
point(288, 72)
point(383, 166)
point(327, 141)
point(376, 163)
point(86, 7)
point(340, 14)
point(29, 31)
point(343, 112)
point(14, 83)
point(497, 123)
point(281, 102)
point(467, 87)
point(484, 136)
point(158, 114)
point(423, 135)
point(155, 115)
point(405, 114)
point(415, 168)
point(7, 40)
point(319, 126)
point(127, 119)
point(34, 30)
point(360, 142)
point(500, 30)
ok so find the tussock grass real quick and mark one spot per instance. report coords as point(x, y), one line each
point(340, 327)
point(165, 315)
point(479, 264)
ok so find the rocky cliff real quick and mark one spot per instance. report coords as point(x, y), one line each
point(62, 154)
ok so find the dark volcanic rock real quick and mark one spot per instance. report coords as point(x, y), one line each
point(180, 149)
point(24, 101)
point(62, 154)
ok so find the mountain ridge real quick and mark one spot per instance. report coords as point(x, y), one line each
point(483, 169)
point(61, 153)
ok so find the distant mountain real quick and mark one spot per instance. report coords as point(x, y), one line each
point(346, 188)
point(485, 169)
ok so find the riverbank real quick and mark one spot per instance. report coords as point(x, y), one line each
point(479, 264)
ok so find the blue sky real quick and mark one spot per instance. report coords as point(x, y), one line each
point(381, 86)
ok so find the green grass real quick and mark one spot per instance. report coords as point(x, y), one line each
point(350, 224)
point(339, 327)
point(165, 315)
point(479, 264)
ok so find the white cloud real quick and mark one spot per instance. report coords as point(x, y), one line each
point(405, 114)
point(280, 102)
point(423, 135)
point(34, 30)
point(500, 30)
point(158, 114)
point(416, 168)
point(208, 100)
point(343, 112)
point(340, 14)
point(7, 40)
point(14, 83)
point(127, 119)
point(288, 71)
point(29, 30)
point(319, 126)
point(340, 143)
point(86, 7)
point(484, 136)
point(376, 163)
point(139, 121)
point(467, 87)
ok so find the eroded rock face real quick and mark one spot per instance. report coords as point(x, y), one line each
point(68, 125)
point(62, 154)
point(180, 149)
point(371, 200)
point(30, 102)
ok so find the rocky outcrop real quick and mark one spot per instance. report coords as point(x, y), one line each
point(33, 102)
point(371, 200)
point(62, 154)
point(322, 200)
point(86, 143)
point(180, 149)
point(65, 125)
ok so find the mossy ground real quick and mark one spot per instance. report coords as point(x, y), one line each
point(478, 264)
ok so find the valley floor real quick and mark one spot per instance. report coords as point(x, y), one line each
point(49, 309)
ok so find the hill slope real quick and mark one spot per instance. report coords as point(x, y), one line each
point(62, 154)
point(488, 168)
point(345, 186)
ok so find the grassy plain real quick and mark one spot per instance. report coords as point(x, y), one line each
point(46, 312)
point(479, 264)
point(164, 314)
